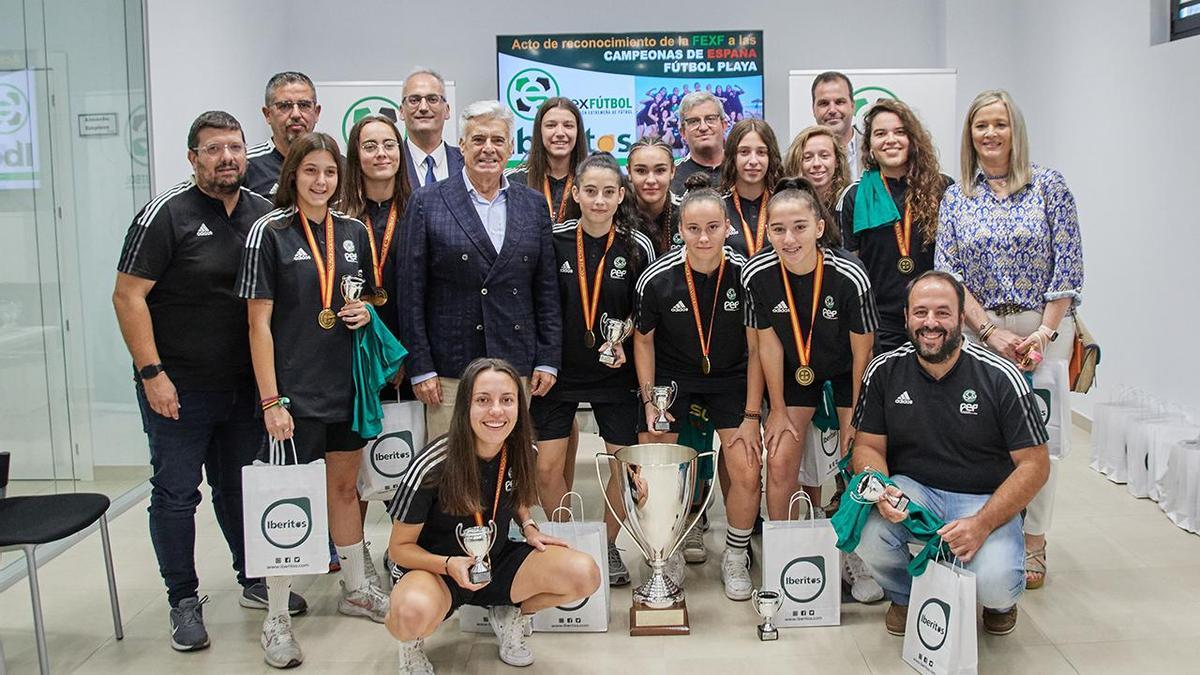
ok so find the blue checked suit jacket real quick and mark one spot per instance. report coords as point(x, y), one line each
point(460, 299)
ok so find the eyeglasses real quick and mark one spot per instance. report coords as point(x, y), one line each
point(710, 120)
point(371, 147)
point(414, 100)
point(215, 149)
point(304, 104)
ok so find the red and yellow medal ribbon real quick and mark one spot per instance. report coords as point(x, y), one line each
point(803, 344)
point(705, 342)
point(753, 244)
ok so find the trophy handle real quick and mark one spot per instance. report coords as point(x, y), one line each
point(491, 534)
point(716, 455)
point(604, 493)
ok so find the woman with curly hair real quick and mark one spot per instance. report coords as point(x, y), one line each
point(890, 216)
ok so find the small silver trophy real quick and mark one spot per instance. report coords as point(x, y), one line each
point(477, 542)
point(871, 490)
point(352, 286)
point(614, 331)
point(662, 397)
point(767, 604)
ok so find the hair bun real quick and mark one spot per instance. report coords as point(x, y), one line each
point(794, 183)
point(697, 181)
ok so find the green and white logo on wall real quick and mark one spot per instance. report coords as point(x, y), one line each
point(139, 137)
point(288, 522)
point(14, 110)
point(528, 89)
point(368, 105)
point(864, 97)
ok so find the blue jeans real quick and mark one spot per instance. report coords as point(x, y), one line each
point(218, 432)
point(999, 565)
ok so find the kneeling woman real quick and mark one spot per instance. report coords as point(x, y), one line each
point(482, 470)
point(815, 317)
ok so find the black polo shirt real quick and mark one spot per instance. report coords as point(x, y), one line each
point(582, 377)
point(377, 213)
point(750, 209)
point(263, 164)
point(558, 188)
point(688, 167)
point(955, 433)
point(665, 307)
point(416, 501)
point(846, 306)
point(313, 366)
point(184, 242)
point(880, 254)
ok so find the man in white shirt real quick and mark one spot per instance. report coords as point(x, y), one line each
point(425, 110)
point(833, 106)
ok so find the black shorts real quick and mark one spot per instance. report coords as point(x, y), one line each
point(617, 421)
point(505, 564)
point(795, 395)
point(725, 409)
point(314, 438)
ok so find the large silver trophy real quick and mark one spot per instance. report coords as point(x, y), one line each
point(662, 397)
point(614, 332)
point(658, 480)
point(477, 542)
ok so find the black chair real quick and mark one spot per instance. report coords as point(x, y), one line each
point(26, 522)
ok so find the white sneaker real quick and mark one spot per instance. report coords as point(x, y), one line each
point(735, 573)
point(508, 623)
point(863, 586)
point(413, 660)
point(693, 547)
point(280, 648)
point(367, 601)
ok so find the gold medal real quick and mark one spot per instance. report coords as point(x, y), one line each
point(705, 342)
point(805, 376)
point(589, 339)
point(705, 365)
point(326, 318)
point(590, 301)
point(380, 298)
point(378, 260)
point(903, 230)
point(906, 265)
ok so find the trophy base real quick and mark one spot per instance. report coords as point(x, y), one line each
point(766, 635)
point(670, 620)
point(481, 577)
point(662, 426)
point(607, 360)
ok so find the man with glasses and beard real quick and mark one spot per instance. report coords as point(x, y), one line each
point(187, 333)
point(958, 430)
point(291, 111)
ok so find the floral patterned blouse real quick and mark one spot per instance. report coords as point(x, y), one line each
point(1023, 249)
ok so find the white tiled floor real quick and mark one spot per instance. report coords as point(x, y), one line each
point(1122, 596)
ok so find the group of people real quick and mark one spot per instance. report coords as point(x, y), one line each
point(658, 114)
point(762, 283)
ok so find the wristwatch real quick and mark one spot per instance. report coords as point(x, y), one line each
point(1053, 333)
point(147, 372)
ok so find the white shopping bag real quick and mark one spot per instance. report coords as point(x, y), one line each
point(822, 450)
point(284, 513)
point(801, 559)
point(940, 637)
point(590, 615)
point(1162, 439)
point(1052, 391)
point(1181, 488)
point(473, 619)
point(386, 458)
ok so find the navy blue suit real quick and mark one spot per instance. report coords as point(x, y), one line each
point(454, 163)
point(460, 299)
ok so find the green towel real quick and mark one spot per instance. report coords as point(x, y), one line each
point(697, 434)
point(873, 206)
point(377, 357)
point(826, 418)
point(852, 516)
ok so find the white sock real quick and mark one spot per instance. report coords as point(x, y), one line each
point(279, 590)
point(737, 539)
point(354, 570)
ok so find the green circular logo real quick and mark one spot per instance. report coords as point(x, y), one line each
point(368, 105)
point(14, 109)
point(864, 97)
point(139, 136)
point(528, 89)
point(288, 522)
point(969, 396)
point(803, 579)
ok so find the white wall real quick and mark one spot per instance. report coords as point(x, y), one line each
point(215, 55)
point(1115, 115)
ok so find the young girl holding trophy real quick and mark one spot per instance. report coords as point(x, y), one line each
point(451, 513)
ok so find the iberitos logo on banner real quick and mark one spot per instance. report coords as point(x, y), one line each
point(628, 85)
point(287, 523)
point(803, 579)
